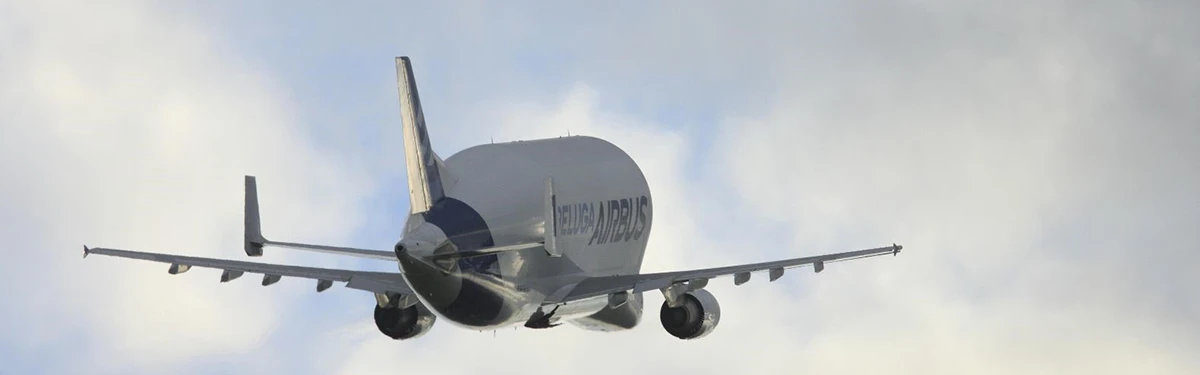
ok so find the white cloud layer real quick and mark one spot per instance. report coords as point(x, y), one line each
point(127, 127)
point(1035, 158)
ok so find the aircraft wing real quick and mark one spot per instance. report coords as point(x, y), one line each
point(377, 282)
point(681, 281)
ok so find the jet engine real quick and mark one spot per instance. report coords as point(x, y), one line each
point(403, 323)
point(696, 316)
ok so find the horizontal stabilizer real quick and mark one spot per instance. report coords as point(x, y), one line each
point(485, 251)
point(255, 242)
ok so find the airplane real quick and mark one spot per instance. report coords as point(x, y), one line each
point(536, 232)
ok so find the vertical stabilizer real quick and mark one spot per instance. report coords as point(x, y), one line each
point(424, 166)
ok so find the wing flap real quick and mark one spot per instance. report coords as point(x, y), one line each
point(377, 282)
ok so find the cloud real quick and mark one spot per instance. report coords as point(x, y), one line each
point(996, 164)
point(1033, 158)
point(127, 126)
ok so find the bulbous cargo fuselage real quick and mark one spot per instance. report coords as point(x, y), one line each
point(496, 195)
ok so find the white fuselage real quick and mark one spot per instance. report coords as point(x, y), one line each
point(495, 196)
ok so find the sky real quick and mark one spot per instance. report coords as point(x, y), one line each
point(1035, 158)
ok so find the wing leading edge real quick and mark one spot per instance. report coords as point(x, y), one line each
point(681, 281)
point(376, 282)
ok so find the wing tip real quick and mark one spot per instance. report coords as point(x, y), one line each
point(86, 251)
point(896, 248)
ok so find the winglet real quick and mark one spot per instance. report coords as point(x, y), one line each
point(86, 251)
point(896, 249)
point(254, 240)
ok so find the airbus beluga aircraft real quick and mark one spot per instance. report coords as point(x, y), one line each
point(534, 232)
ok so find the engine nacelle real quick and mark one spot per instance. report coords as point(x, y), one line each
point(696, 316)
point(404, 323)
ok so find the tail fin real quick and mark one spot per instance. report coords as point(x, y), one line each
point(424, 166)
